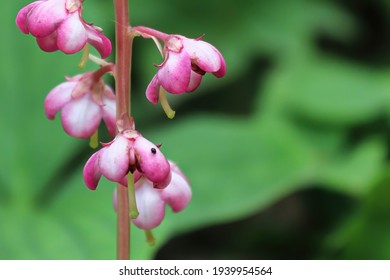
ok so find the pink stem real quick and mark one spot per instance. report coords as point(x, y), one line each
point(103, 70)
point(150, 32)
point(122, 88)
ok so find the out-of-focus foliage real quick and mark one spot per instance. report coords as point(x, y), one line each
point(291, 114)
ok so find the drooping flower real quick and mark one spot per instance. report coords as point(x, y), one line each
point(58, 25)
point(128, 152)
point(185, 62)
point(84, 101)
point(151, 201)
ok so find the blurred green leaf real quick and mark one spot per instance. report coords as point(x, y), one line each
point(366, 234)
point(338, 93)
point(356, 170)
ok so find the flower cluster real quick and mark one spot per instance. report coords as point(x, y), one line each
point(84, 101)
point(58, 25)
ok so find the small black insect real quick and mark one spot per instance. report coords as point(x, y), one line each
point(153, 150)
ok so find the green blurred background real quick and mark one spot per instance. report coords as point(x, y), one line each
point(288, 155)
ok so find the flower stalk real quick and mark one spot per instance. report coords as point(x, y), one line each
point(122, 88)
point(148, 32)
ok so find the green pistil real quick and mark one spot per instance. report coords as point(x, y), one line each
point(165, 105)
point(133, 211)
point(84, 57)
point(150, 238)
point(94, 140)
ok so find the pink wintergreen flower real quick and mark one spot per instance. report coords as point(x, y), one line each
point(84, 101)
point(185, 63)
point(151, 201)
point(58, 25)
point(128, 152)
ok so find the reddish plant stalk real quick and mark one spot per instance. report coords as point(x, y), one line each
point(151, 32)
point(122, 89)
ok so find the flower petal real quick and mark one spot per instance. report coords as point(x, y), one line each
point(174, 74)
point(152, 162)
point(71, 35)
point(114, 161)
point(91, 171)
point(153, 90)
point(21, 18)
point(194, 81)
point(48, 43)
point(81, 117)
point(109, 112)
point(203, 54)
point(45, 17)
point(115, 199)
point(150, 206)
point(178, 193)
point(222, 71)
point(100, 42)
point(57, 98)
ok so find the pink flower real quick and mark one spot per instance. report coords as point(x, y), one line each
point(128, 152)
point(185, 63)
point(151, 201)
point(84, 101)
point(58, 25)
